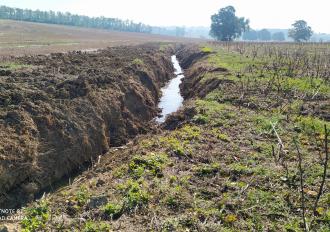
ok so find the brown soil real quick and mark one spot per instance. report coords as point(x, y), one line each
point(25, 38)
point(191, 59)
point(65, 109)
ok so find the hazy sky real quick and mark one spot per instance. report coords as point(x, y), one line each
point(262, 13)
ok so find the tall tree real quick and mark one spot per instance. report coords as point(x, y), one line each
point(300, 31)
point(264, 35)
point(226, 26)
point(278, 36)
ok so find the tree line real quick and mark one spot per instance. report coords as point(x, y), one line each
point(226, 26)
point(69, 19)
point(263, 35)
point(172, 31)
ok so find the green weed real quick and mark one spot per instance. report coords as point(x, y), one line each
point(113, 210)
point(36, 217)
point(82, 196)
point(91, 226)
point(152, 164)
point(263, 124)
point(311, 125)
point(173, 144)
point(206, 49)
point(207, 169)
point(222, 136)
point(120, 171)
point(13, 66)
point(306, 85)
point(134, 195)
point(138, 62)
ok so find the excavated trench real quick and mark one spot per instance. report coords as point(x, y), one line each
point(171, 98)
point(61, 111)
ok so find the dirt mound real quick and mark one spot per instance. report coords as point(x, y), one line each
point(62, 110)
point(189, 54)
point(192, 59)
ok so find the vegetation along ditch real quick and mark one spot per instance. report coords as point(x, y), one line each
point(246, 151)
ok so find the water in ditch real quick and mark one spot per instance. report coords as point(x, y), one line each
point(171, 98)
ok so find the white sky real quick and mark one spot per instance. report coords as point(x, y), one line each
point(262, 13)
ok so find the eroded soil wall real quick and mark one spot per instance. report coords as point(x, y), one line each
point(191, 59)
point(61, 110)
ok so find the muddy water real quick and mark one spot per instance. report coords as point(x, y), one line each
point(171, 98)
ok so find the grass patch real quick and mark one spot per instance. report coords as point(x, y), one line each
point(311, 125)
point(240, 169)
point(231, 61)
point(152, 164)
point(215, 114)
point(306, 85)
point(207, 170)
point(113, 210)
point(138, 62)
point(91, 226)
point(268, 202)
point(180, 141)
point(206, 49)
point(36, 217)
point(177, 198)
point(216, 132)
point(11, 66)
point(120, 171)
point(188, 132)
point(82, 196)
point(263, 123)
point(134, 195)
point(174, 145)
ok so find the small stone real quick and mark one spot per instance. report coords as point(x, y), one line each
point(283, 178)
point(96, 202)
point(310, 192)
point(63, 220)
point(100, 182)
point(4, 72)
point(30, 188)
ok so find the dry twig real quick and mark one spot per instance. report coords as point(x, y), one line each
point(301, 172)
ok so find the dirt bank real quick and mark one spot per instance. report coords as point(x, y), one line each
point(61, 110)
point(192, 60)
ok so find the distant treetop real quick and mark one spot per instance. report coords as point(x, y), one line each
point(300, 31)
point(264, 35)
point(226, 26)
point(278, 36)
